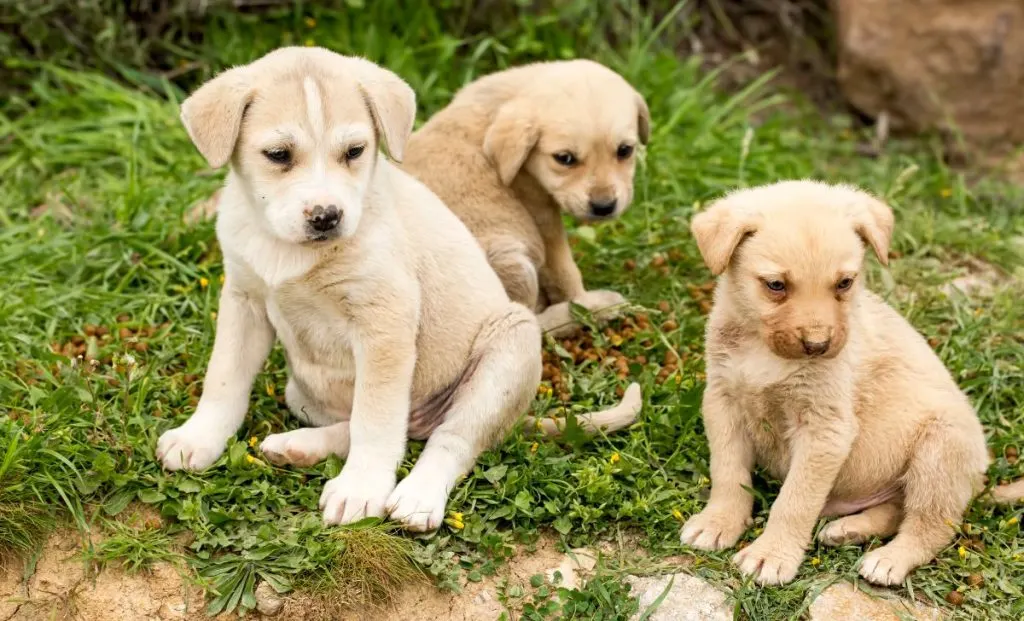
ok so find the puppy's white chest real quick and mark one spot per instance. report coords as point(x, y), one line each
point(272, 261)
point(313, 335)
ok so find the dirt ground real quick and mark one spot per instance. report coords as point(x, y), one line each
point(62, 587)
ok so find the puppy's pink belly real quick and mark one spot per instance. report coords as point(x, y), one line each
point(836, 507)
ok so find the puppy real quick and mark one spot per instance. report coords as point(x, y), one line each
point(516, 149)
point(817, 380)
point(393, 323)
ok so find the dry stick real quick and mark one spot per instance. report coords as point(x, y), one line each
point(607, 421)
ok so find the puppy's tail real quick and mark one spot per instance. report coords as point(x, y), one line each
point(1009, 493)
point(606, 421)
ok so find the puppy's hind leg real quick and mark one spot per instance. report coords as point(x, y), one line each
point(945, 471)
point(511, 262)
point(879, 521)
point(506, 371)
point(328, 435)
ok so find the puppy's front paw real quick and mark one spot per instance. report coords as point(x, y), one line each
point(301, 447)
point(886, 566)
point(713, 529)
point(189, 447)
point(418, 504)
point(770, 561)
point(356, 494)
point(601, 300)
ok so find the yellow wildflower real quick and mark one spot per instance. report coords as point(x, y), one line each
point(213, 315)
point(270, 389)
point(677, 514)
point(533, 447)
point(310, 43)
point(946, 192)
point(545, 390)
point(1012, 521)
point(310, 22)
point(455, 521)
point(703, 480)
point(250, 459)
point(815, 561)
point(967, 528)
point(614, 459)
point(253, 441)
point(616, 339)
point(758, 531)
point(962, 551)
point(204, 282)
point(221, 279)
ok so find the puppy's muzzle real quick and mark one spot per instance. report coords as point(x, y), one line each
point(603, 208)
point(816, 348)
point(323, 220)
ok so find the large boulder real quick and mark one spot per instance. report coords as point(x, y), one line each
point(956, 65)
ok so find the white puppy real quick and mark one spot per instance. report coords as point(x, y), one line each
point(393, 323)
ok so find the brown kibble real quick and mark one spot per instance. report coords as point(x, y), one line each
point(123, 318)
point(658, 260)
point(670, 357)
point(675, 255)
point(620, 391)
point(665, 271)
point(125, 333)
point(77, 340)
point(640, 360)
point(664, 306)
point(629, 265)
point(669, 325)
point(975, 580)
point(934, 342)
point(564, 396)
point(955, 598)
point(90, 330)
point(1011, 454)
point(141, 347)
point(102, 331)
point(705, 307)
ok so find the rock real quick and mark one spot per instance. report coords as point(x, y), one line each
point(845, 601)
point(689, 599)
point(268, 603)
point(573, 565)
point(935, 64)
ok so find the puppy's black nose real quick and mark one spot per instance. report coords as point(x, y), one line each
point(816, 348)
point(603, 209)
point(323, 219)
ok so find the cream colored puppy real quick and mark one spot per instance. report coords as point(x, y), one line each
point(516, 149)
point(393, 323)
point(819, 381)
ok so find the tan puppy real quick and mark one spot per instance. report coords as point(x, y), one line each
point(514, 150)
point(393, 323)
point(816, 379)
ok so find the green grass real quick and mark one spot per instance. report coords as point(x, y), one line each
point(96, 174)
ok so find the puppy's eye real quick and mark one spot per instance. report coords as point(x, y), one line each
point(565, 158)
point(775, 285)
point(354, 152)
point(279, 156)
point(844, 284)
point(624, 151)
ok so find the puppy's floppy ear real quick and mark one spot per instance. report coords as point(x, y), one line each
point(392, 103)
point(719, 230)
point(509, 140)
point(213, 114)
point(873, 221)
point(643, 121)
